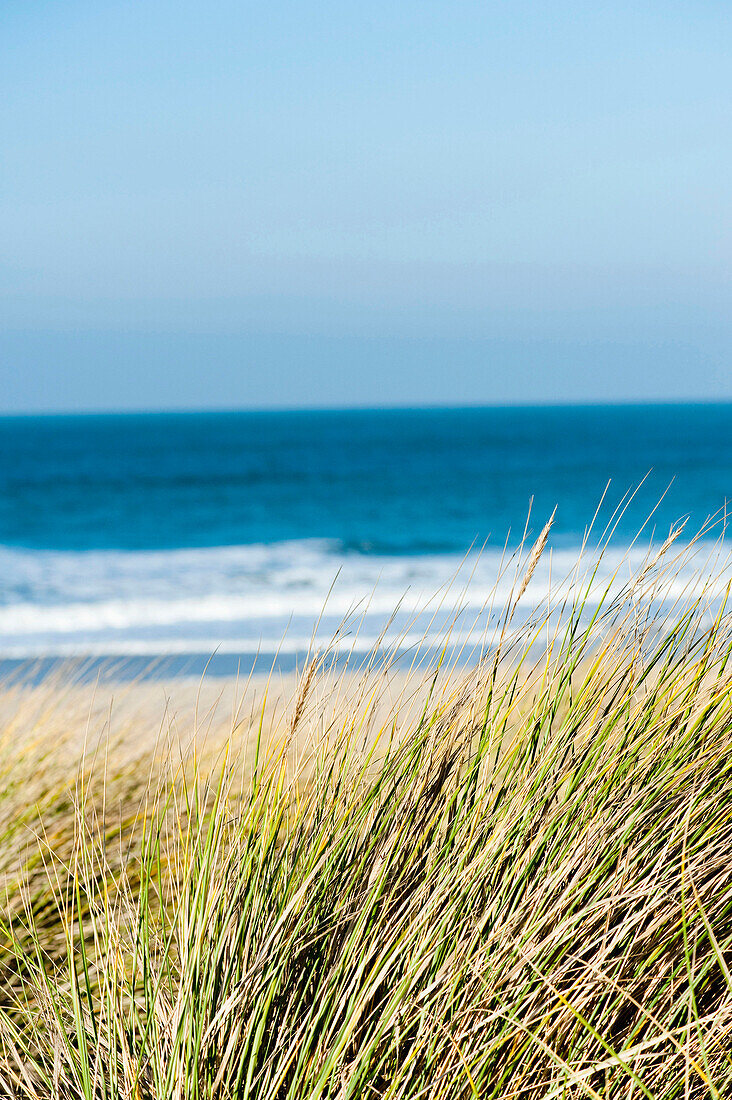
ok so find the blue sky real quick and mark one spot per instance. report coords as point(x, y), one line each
point(236, 204)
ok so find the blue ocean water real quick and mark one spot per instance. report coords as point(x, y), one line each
point(186, 532)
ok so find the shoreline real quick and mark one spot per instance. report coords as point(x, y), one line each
point(131, 668)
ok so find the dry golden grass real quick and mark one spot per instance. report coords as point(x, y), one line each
point(510, 880)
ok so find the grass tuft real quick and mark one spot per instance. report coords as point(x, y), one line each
point(513, 880)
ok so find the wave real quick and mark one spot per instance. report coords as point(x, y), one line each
point(276, 596)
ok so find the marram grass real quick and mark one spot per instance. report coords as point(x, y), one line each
point(517, 885)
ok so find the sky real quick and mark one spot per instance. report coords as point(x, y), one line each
point(229, 204)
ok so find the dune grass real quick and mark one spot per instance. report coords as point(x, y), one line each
point(516, 884)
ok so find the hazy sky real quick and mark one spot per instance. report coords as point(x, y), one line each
point(413, 201)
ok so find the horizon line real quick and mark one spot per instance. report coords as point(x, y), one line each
point(221, 410)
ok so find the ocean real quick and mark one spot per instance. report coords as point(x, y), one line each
point(247, 533)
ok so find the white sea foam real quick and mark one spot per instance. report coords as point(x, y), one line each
point(268, 597)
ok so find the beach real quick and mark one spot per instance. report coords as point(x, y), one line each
point(365, 551)
point(443, 880)
point(412, 815)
